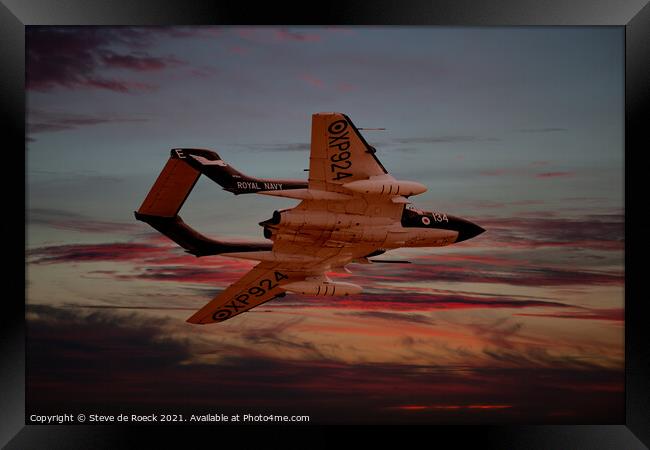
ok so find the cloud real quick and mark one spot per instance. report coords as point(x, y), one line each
point(609, 314)
point(39, 121)
point(445, 139)
point(525, 171)
point(280, 35)
point(588, 232)
point(127, 363)
point(448, 407)
point(94, 252)
point(435, 268)
point(391, 316)
point(312, 80)
point(499, 333)
point(345, 87)
point(385, 299)
point(554, 174)
point(342, 86)
point(541, 130)
point(65, 220)
point(109, 307)
point(494, 172)
point(490, 204)
point(139, 61)
point(181, 274)
point(289, 147)
point(203, 72)
point(75, 57)
point(161, 260)
point(277, 335)
point(284, 34)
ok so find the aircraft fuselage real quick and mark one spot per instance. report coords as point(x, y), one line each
point(414, 228)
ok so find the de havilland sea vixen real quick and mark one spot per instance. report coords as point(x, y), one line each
point(351, 209)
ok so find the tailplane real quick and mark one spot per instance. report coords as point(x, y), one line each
point(210, 164)
point(165, 199)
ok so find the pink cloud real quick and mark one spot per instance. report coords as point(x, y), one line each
point(284, 34)
point(613, 314)
point(139, 62)
point(203, 72)
point(494, 172)
point(239, 50)
point(94, 252)
point(312, 80)
point(345, 87)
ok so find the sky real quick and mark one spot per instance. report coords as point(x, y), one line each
point(517, 129)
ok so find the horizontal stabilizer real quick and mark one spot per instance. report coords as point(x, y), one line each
point(170, 190)
point(166, 197)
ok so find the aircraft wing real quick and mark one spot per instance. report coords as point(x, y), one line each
point(259, 285)
point(339, 154)
point(264, 281)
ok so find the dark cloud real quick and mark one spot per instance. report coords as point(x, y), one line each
point(537, 356)
point(41, 122)
point(611, 314)
point(94, 252)
point(110, 363)
point(499, 333)
point(181, 274)
point(517, 274)
point(131, 307)
point(65, 220)
point(391, 316)
point(590, 232)
point(74, 57)
point(277, 336)
point(414, 301)
point(139, 61)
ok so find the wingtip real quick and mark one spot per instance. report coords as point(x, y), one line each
point(194, 320)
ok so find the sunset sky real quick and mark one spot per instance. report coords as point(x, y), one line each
point(519, 130)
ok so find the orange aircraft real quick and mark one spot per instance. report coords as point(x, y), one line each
point(350, 210)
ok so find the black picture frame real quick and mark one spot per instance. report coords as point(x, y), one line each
point(633, 15)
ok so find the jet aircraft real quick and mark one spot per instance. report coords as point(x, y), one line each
point(351, 209)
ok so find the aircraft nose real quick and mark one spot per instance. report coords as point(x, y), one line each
point(466, 229)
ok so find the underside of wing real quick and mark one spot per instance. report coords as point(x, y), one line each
point(261, 284)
